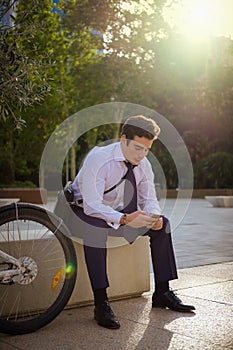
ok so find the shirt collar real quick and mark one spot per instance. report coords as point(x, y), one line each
point(118, 155)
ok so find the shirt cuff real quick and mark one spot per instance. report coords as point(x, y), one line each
point(115, 225)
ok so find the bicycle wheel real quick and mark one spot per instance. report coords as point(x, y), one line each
point(35, 297)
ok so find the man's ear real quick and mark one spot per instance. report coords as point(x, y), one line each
point(123, 137)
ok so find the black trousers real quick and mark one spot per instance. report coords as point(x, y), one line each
point(95, 231)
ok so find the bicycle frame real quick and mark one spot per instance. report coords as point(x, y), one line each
point(25, 272)
point(5, 275)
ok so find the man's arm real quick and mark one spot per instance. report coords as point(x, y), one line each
point(147, 197)
point(92, 186)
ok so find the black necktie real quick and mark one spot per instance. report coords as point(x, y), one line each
point(130, 190)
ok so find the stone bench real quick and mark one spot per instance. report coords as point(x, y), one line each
point(220, 201)
point(128, 271)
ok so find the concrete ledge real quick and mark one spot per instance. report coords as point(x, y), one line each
point(6, 201)
point(128, 272)
point(35, 195)
point(220, 201)
point(201, 193)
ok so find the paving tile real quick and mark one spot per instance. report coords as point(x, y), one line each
point(5, 346)
point(217, 292)
point(211, 323)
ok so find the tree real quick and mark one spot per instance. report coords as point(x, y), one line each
point(37, 56)
point(215, 171)
point(124, 32)
point(22, 62)
point(88, 69)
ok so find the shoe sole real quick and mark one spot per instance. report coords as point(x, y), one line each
point(166, 307)
point(113, 327)
point(109, 327)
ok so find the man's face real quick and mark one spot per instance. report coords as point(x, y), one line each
point(135, 150)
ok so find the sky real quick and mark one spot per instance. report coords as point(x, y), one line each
point(198, 18)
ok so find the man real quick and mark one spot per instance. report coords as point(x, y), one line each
point(112, 174)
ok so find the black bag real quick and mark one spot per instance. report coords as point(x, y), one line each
point(66, 198)
point(63, 206)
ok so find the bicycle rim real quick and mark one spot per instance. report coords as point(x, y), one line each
point(29, 304)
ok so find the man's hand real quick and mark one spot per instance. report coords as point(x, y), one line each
point(158, 224)
point(139, 219)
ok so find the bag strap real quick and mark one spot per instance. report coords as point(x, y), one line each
point(80, 201)
point(113, 187)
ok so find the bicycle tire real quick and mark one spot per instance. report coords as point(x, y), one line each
point(29, 230)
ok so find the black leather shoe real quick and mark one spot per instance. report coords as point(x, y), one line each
point(170, 300)
point(105, 317)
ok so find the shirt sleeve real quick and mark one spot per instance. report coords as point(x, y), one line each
point(147, 198)
point(92, 186)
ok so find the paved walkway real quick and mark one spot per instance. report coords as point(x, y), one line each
point(205, 236)
point(204, 241)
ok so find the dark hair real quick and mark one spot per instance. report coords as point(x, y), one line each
point(140, 126)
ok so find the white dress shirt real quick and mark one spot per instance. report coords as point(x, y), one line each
point(102, 169)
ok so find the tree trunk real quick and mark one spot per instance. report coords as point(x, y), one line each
point(11, 174)
point(73, 161)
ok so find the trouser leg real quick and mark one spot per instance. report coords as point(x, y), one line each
point(162, 253)
point(96, 267)
point(95, 256)
point(94, 232)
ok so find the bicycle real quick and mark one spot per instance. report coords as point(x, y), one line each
point(38, 267)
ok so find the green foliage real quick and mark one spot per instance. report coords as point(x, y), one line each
point(19, 184)
point(215, 171)
point(168, 166)
point(23, 60)
point(53, 65)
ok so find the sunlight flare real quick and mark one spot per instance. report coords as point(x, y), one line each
point(199, 19)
